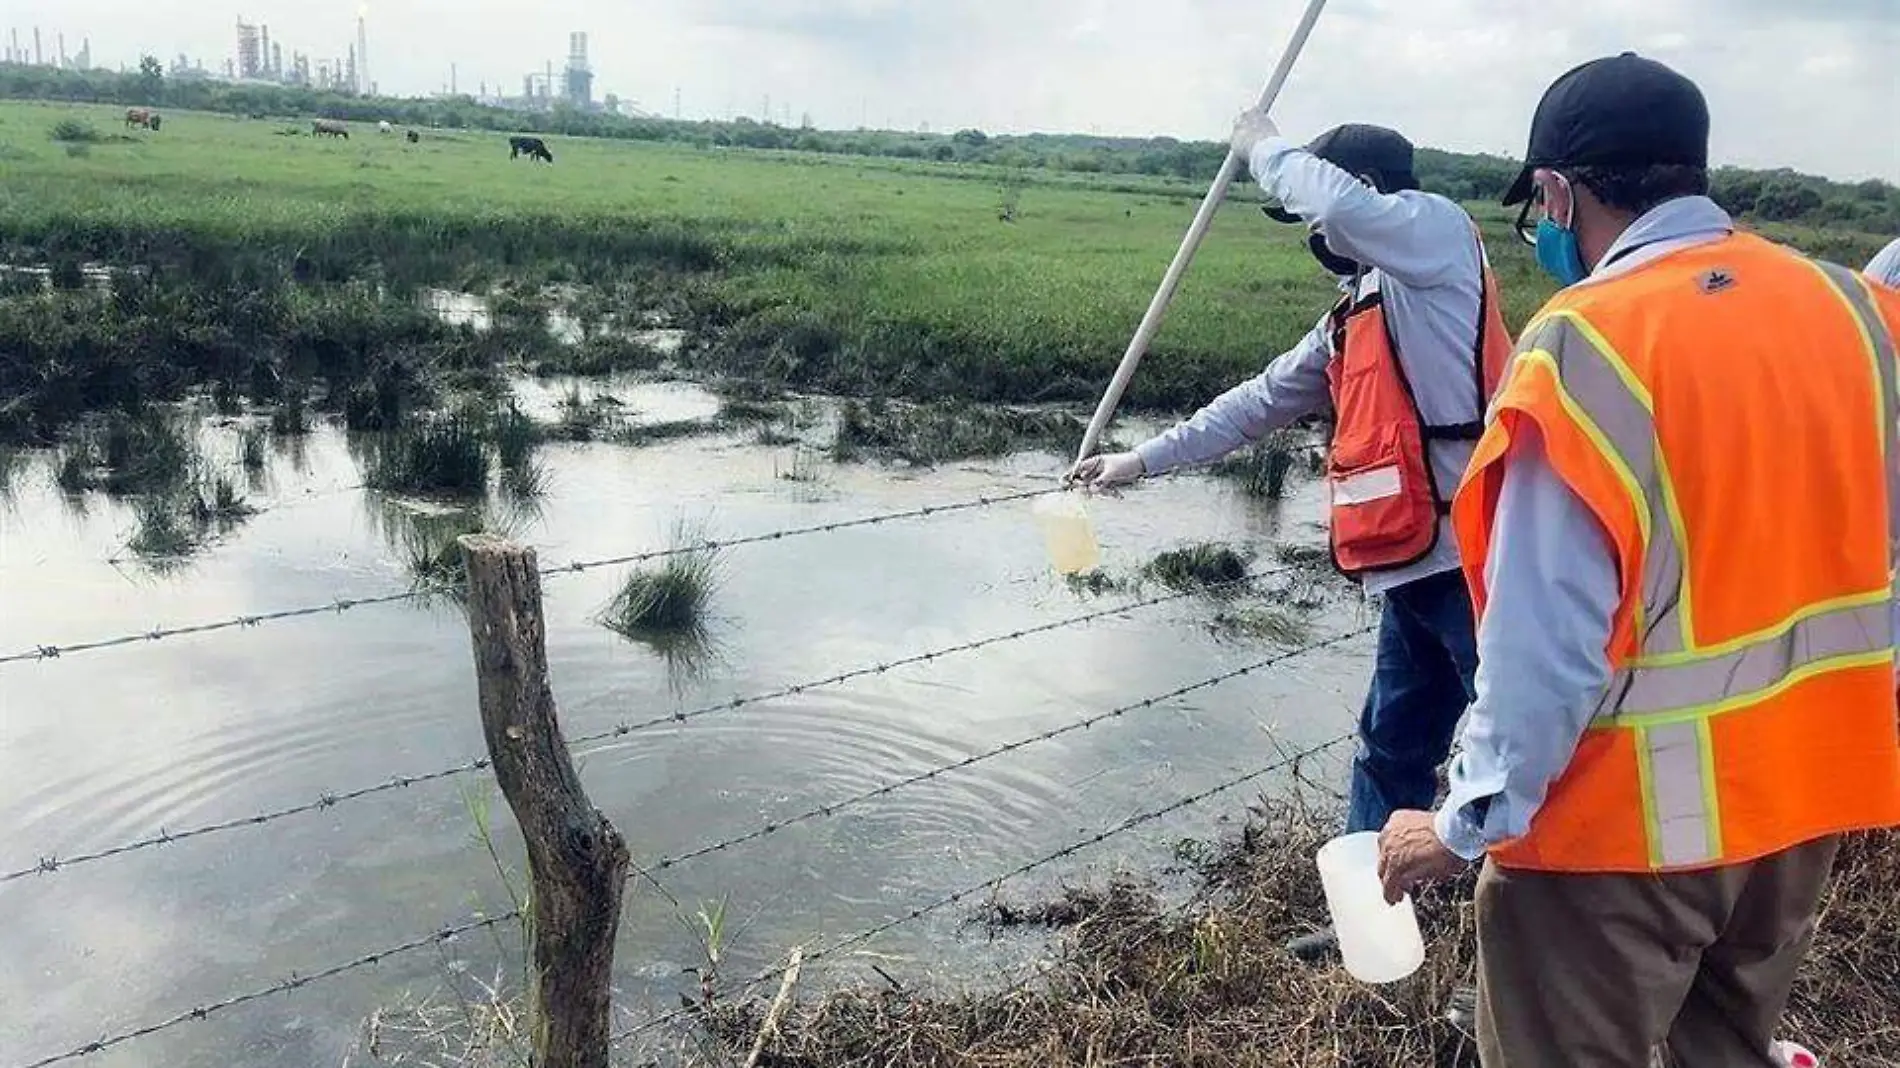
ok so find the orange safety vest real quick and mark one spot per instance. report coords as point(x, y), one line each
point(1385, 499)
point(1727, 412)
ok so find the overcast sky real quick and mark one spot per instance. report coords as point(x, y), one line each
point(1813, 84)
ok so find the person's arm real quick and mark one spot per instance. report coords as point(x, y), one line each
point(1418, 239)
point(1293, 385)
point(1885, 266)
point(1543, 664)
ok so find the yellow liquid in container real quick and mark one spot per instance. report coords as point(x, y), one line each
point(1067, 534)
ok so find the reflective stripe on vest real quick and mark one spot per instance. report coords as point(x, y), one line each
point(1668, 693)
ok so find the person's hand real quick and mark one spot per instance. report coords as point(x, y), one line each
point(1411, 855)
point(1107, 471)
point(1250, 129)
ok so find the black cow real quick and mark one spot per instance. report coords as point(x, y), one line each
point(532, 147)
point(414, 137)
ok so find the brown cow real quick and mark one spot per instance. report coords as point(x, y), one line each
point(329, 128)
point(142, 117)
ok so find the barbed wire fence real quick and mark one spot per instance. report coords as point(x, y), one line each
point(49, 864)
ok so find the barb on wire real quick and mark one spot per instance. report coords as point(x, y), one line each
point(53, 652)
point(292, 983)
point(994, 882)
point(48, 864)
point(826, 811)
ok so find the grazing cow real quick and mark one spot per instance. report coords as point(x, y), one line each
point(329, 128)
point(384, 127)
point(414, 137)
point(143, 117)
point(532, 147)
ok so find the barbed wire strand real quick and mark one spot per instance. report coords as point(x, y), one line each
point(896, 786)
point(49, 651)
point(995, 882)
point(50, 863)
point(444, 934)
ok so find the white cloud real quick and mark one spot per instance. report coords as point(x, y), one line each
point(1459, 74)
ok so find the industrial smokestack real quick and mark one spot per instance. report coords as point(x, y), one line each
point(362, 49)
point(39, 59)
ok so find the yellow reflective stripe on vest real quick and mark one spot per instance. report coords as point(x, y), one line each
point(1621, 423)
point(1686, 687)
point(1680, 809)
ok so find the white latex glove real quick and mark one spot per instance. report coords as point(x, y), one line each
point(1252, 127)
point(1109, 471)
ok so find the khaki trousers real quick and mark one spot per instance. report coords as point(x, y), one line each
point(1602, 971)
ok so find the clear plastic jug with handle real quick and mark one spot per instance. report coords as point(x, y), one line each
point(1066, 533)
point(1381, 943)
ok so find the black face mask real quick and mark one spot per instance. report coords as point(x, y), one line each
point(1332, 261)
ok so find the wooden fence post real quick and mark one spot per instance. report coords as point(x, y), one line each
point(578, 861)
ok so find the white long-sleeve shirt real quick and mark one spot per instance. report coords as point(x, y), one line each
point(1885, 266)
point(1424, 260)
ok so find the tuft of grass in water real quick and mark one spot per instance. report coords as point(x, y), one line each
point(739, 410)
point(774, 437)
point(146, 453)
point(75, 469)
point(1209, 566)
point(178, 522)
point(515, 436)
point(1259, 623)
point(672, 598)
point(291, 418)
point(12, 463)
point(163, 531)
point(803, 468)
point(649, 433)
point(1095, 583)
point(584, 419)
point(433, 556)
point(253, 449)
point(1262, 470)
point(444, 456)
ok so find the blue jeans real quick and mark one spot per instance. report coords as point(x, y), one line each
point(1421, 685)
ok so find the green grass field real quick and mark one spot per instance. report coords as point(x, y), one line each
point(860, 276)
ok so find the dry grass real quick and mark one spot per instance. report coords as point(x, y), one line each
point(1209, 986)
point(1134, 983)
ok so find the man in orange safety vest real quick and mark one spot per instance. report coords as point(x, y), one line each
point(1679, 530)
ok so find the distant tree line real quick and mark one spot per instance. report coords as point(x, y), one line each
point(1778, 196)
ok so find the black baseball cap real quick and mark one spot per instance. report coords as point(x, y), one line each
point(1619, 110)
point(1361, 149)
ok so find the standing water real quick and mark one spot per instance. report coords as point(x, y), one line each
point(100, 748)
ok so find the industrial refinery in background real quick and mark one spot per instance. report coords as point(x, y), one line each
point(259, 59)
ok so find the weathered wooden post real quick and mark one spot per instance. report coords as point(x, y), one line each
point(578, 861)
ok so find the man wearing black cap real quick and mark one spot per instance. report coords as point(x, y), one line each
point(1679, 529)
point(1406, 361)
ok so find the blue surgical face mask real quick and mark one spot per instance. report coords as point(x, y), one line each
point(1558, 252)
